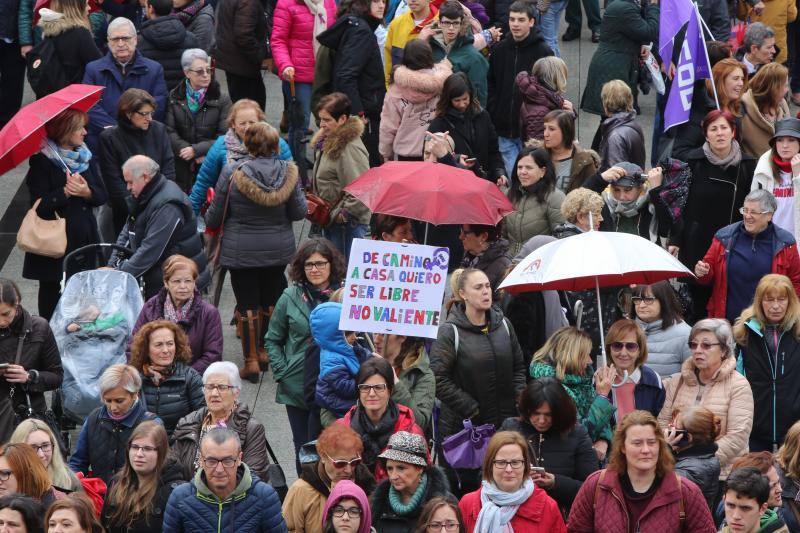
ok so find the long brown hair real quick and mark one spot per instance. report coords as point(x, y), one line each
point(788, 456)
point(28, 469)
point(132, 499)
point(434, 505)
point(618, 462)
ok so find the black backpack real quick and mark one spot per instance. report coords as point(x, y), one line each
point(45, 72)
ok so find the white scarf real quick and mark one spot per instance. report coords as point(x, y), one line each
point(499, 507)
point(317, 8)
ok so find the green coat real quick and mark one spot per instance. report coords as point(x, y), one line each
point(287, 339)
point(467, 59)
point(623, 32)
point(531, 218)
point(416, 389)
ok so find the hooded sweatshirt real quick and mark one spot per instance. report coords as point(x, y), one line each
point(346, 489)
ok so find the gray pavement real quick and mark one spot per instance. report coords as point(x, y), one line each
point(577, 55)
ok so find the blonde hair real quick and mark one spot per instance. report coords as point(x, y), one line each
point(616, 97)
point(565, 350)
point(74, 11)
point(788, 456)
point(60, 475)
point(771, 283)
point(458, 281)
point(553, 72)
point(580, 200)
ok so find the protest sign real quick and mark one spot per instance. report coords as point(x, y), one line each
point(394, 288)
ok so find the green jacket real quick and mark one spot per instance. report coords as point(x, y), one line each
point(416, 389)
point(287, 339)
point(595, 412)
point(467, 59)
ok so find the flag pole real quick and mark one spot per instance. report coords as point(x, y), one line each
point(708, 62)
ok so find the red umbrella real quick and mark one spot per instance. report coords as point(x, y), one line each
point(22, 136)
point(430, 192)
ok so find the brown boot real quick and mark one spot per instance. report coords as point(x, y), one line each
point(251, 369)
point(237, 319)
point(263, 326)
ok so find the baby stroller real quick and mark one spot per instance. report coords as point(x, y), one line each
point(92, 325)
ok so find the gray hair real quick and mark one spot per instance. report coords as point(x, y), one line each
point(220, 436)
point(756, 34)
point(190, 55)
point(121, 375)
point(140, 165)
point(720, 328)
point(765, 199)
point(119, 22)
point(225, 368)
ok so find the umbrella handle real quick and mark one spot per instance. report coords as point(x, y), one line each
point(291, 89)
point(625, 379)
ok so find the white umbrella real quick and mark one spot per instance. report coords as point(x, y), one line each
point(594, 259)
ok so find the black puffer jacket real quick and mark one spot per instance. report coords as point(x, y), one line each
point(171, 476)
point(164, 40)
point(176, 396)
point(569, 457)
point(494, 262)
point(700, 465)
point(357, 66)
point(621, 139)
point(198, 130)
point(264, 201)
point(480, 380)
point(385, 520)
point(74, 45)
point(474, 135)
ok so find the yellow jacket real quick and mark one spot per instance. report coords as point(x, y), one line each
point(778, 14)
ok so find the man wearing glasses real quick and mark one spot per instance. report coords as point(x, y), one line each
point(120, 69)
point(224, 495)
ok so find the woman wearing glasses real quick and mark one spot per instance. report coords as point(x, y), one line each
point(441, 513)
point(742, 253)
point(41, 438)
point(316, 270)
point(347, 510)
point(376, 417)
point(21, 472)
point(221, 385)
point(340, 449)
point(658, 313)
point(197, 112)
point(636, 385)
point(507, 499)
point(136, 133)
point(139, 492)
point(160, 352)
point(766, 332)
point(709, 379)
point(398, 501)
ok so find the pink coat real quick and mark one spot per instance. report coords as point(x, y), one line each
point(292, 37)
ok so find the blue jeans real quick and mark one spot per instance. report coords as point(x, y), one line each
point(550, 21)
point(296, 134)
point(342, 235)
point(509, 149)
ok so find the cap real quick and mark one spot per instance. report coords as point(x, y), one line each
point(633, 177)
point(407, 448)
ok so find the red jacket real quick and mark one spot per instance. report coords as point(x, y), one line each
point(539, 513)
point(405, 422)
point(785, 260)
point(609, 513)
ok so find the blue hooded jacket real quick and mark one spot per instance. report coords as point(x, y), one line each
point(338, 360)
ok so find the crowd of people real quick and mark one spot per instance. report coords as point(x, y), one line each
point(692, 425)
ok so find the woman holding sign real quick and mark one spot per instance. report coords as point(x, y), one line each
point(477, 362)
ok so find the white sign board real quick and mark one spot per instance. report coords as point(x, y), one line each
point(394, 288)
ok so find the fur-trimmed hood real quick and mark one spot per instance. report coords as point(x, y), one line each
point(418, 86)
point(334, 144)
point(54, 23)
point(266, 181)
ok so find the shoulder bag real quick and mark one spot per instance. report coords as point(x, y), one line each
point(42, 237)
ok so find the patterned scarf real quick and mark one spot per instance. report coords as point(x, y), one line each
point(235, 147)
point(174, 314)
point(158, 374)
point(195, 99)
point(188, 12)
point(314, 297)
point(76, 161)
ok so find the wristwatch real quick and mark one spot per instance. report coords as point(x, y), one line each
point(33, 376)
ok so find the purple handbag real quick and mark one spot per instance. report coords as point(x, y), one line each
point(466, 448)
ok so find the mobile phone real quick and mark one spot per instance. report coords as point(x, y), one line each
point(470, 159)
point(684, 442)
point(3, 366)
point(538, 469)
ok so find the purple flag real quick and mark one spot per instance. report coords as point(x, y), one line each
point(692, 65)
point(673, 15)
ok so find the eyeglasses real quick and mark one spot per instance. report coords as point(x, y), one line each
point(377, 389)
point(341, 463)
point(516, 464)
point(145, 114)
point(352, 512)
point(212, 462)
point(744, 211)
point(449, 23)
point(630, 346)
point(201, 71)
point(319, 265)
point(705, 346)
point(450, 525)
point(5, 474)
point(647, 300)
point(146, 449)
point(46, 447)
point(211, 387)
point(118, 40)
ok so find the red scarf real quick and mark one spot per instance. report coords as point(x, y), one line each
point(784, 166)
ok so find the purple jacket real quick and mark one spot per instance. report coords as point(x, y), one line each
point(203, 325)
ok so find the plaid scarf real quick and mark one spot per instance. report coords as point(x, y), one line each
point(188, 12)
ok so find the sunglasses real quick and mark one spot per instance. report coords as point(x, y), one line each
point(703, 345)
point(630, 346)
point(341, 463)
